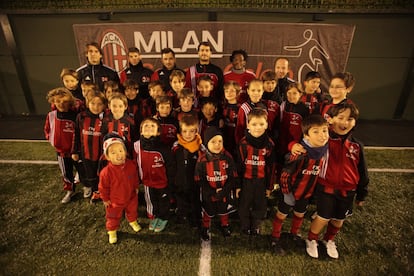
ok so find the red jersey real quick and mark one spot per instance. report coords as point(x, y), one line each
point(156, 166)
point(299, 175)
point(118, 183)
point(291, 116)
point(242, 78)
point(345, 168)
point(59, 129)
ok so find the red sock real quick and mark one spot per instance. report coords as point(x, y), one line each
point(224, 219)
point(277, 227)
point(206, 220)
point(312, 236)
point(296, 224)
point(331, 231)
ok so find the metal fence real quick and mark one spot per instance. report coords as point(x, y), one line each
point(328, 6)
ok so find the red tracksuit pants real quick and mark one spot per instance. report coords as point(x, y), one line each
point(114, 213)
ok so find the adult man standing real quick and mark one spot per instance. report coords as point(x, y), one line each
point(238, 72)
point(282, 70)
point(205, 67)
point(94, 70)
point(137, 72)
point(168, 65)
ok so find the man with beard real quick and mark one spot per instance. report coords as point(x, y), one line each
point(205, 67)
point(137, 72)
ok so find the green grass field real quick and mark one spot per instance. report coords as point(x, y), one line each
point(41, 236)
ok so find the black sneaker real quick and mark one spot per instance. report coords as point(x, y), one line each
point(277, 248)
point(205, 236)
point(226, 231)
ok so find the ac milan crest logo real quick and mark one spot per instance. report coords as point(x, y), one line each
point(114, 49)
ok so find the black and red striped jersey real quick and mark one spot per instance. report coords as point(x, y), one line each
point(215, 171)
point(257, 162)
point(299, 175)
point(313, 102)
point(124, 127)
point(88, 135)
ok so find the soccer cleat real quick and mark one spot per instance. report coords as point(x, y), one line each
point(205, 235)
point(331, 249)
point(312, 248)
point(112, 237)
point(153, 224)
point(87, 192)
point(225, 230)
point(160, 225)
point(135, 226)
point(277, 248)
point(67, 197)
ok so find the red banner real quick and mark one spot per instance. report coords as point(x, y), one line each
point(309, 47)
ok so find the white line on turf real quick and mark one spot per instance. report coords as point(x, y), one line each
point(37, 162)
point(205, 259)
point(389, 170)
point(388, 148)
point(23, 140)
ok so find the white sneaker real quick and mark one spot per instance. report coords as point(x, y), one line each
point(331, 249)
point(87, 192)
point(312, 248)
point(68, 196)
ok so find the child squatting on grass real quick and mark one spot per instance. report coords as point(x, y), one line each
point(118, 187)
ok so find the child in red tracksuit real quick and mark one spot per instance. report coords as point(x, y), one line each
point(215, 173)
point(299, 177)
point(156, 169)
point(118, 187)
point(59, 129)
point(343, 175)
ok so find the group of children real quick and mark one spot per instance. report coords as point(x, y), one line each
point(211, 157)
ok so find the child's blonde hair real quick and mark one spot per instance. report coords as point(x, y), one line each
point(235, 85)
point(69, 72)
point(119, 96)
point(60, 92)
point(177, 73)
